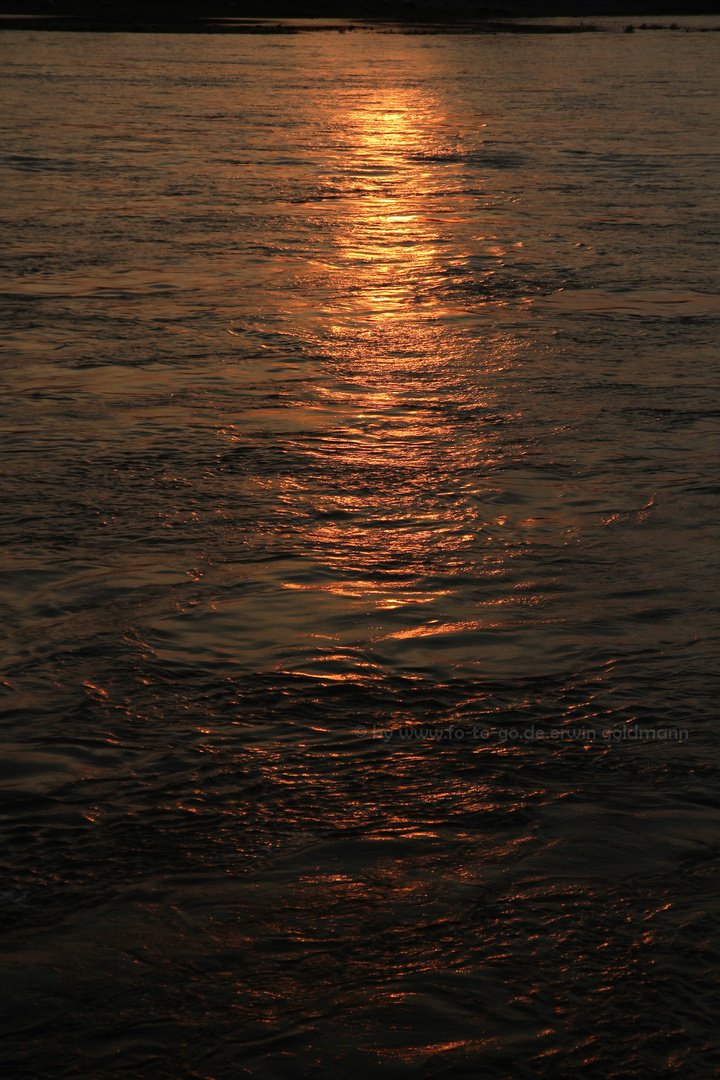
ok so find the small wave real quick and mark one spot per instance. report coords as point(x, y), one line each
point(664, 304)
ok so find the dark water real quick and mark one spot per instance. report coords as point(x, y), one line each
point(360, 512)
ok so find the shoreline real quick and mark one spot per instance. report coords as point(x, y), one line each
point(522, 25)
point(373, 16)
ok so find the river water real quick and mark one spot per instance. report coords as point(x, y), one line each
point(360, 519)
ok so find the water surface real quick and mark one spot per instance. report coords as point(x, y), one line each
point(361, 531)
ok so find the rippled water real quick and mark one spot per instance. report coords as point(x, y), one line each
point(360, 514)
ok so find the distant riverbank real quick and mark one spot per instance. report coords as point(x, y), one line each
point(289, 26)
point(400, 16)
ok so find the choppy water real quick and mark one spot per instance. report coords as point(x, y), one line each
point(360, 413)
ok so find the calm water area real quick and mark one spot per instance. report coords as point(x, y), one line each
point(360, 504)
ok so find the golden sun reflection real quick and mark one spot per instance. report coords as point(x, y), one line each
point(400, 519)
point(389, 492)
point(392, 241)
